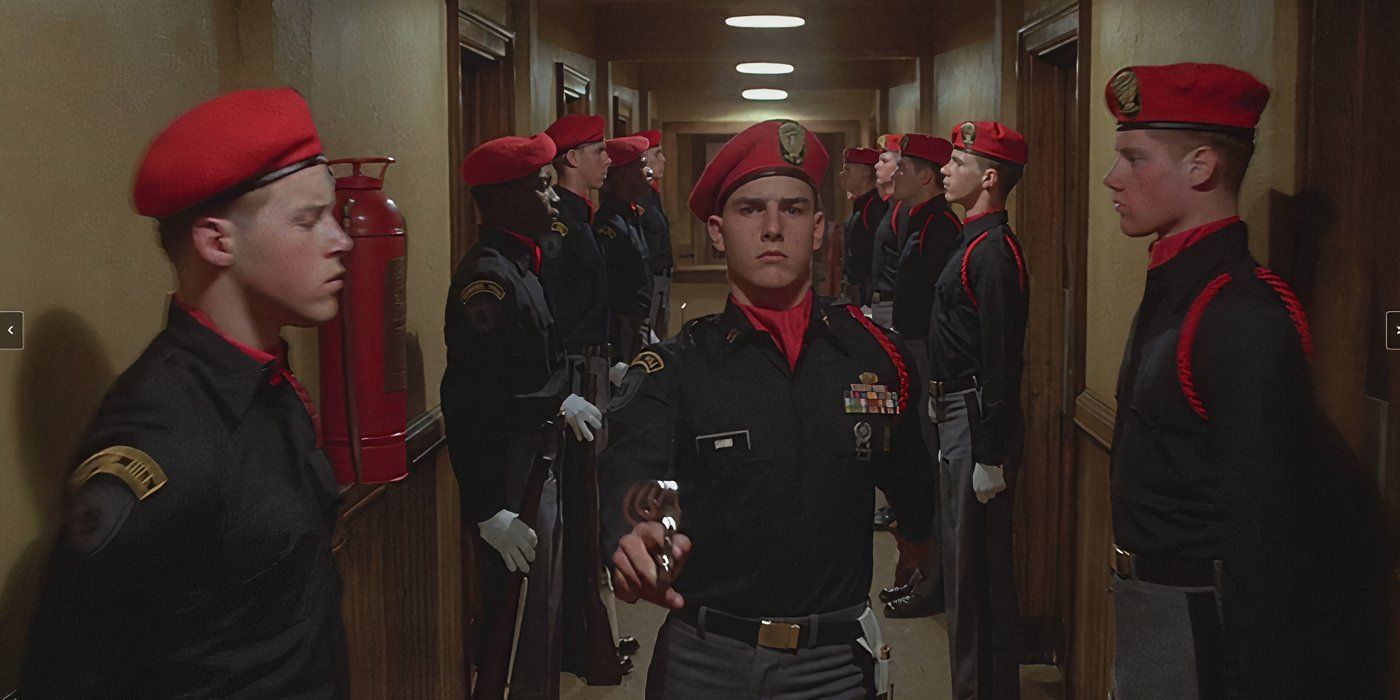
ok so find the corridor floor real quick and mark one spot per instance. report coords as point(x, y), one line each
point(918, 670)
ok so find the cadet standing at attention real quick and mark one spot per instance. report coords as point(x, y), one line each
point(773, 421)
point(505, 378)
point(205, 472)
point(976, 340)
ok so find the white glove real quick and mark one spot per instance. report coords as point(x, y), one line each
point(582, 417)
point(512, 538)
point(987, 481)
point(616, 373)
point(866, 310)
point(652, 339)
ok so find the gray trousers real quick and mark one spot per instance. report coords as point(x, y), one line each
point(689, 664)
point(1169, 641)
point(930, 585)
point(535, 669)
point(979, 587)
point(882, 313)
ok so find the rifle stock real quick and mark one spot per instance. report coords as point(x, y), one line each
point(603, 667)
point(494, 672)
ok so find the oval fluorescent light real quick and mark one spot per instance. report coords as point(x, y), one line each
point(765, 21)
point(765, 94)
point(761, 68)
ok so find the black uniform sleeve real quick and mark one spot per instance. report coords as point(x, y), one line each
point(1001, 319)
point(644, 418)
point(906, 469)
point(625, 256)
point(860, 242)
point(484, 342)
point(1252, 379)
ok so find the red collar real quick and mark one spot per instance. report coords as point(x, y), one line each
point(532, 245)
point(975, 217)
point(1163, 250)
point(262, 357)
point(787, 326)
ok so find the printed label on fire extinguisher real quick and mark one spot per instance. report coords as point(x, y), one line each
point(395, 322)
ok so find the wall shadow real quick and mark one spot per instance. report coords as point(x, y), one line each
point(64, 373)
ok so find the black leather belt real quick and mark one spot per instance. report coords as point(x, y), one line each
point(938, 390)
point(587, 349)
point(1165, 571)
point(775, 634)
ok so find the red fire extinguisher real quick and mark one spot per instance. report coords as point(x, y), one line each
point(364, 373)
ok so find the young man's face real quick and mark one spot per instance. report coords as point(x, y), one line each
point(908, 179)
point(592, 162)
point(962, 178)
point(657, 160)
point(287, 251)
point(768, 231)
point(854, 177)
point(1151, 186)
point(884, 170)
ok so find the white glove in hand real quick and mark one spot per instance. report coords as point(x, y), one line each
point(512, 538)
point(582, 417)
point(652, 339)
point(866, 310)
point(987, 481)
point(616, 373)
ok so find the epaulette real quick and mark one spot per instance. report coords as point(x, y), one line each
point(1192, 324)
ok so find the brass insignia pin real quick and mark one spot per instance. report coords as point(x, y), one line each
point(869, 378)
point(904, 142)
point(968, 131)
point(560, 228)
point(793, 140)
point(1125, 90)
point(607, 231)
point(863, 434)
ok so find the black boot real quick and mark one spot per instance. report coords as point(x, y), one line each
point(893, 592)
point(913, 605)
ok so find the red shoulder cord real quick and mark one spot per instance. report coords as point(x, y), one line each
point(1188, 336)
point(1192, 324)
point(1020, 262)
point(889, 348)
point(1290, 301)
point(967, 256)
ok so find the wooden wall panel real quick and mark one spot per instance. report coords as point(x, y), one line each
point(1091, 651)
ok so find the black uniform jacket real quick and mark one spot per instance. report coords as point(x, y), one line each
point(884, 262)
point(776, 479)
point(930, 235)
point(574, 276)
point(866, 211)
point(221, 582)
point(504, 365)
point(656, 231)
point(978, 327)
point(625, 251)
point(1220, 467)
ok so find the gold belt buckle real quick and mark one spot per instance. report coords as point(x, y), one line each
point(778, 635)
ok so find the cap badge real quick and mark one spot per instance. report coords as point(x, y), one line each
point(1125, 90)
point(968, 133)
point(792, 137)
point(904, 143)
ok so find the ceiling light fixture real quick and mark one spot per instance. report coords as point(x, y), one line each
point(765, 94)
point(761, 68)
point(765, 21)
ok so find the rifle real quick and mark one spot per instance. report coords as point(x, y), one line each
point(603, 666)
point(494, 672)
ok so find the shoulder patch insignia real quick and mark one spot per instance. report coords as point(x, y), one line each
point(607, 231)
point(649, 361)
point(560, 228)
point(482, 287)
point(134, 467)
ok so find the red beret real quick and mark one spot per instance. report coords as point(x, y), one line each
point(861, 156)
point(889, 142)
point(930, 148)
point(626, 149)
point(239, 141)
point(991, 140)
point(507, 158)
point(1201, 96)
point(574, 130)
point(653, 137)
point(774, 147)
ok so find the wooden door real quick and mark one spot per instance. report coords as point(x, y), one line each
point(482, 78)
